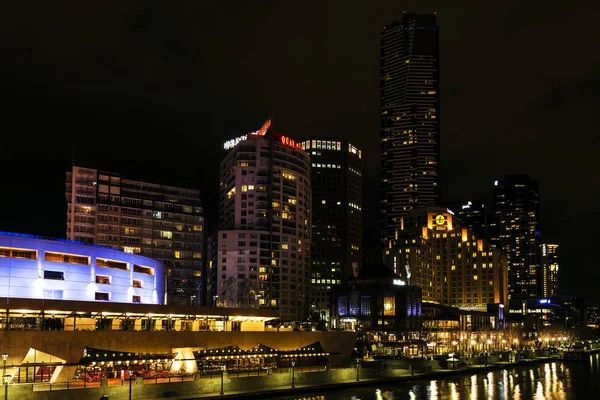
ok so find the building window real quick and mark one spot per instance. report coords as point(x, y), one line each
point(53, 294)
point(55, 275)
point(101, 262)
point(13, 253)
point(137, 284)
point(365, 305)
point(354, 304)
point(103, 279)
point(66, 258)
point(102, 296)
point(143, 270)
point(389, 306)
point(342, 306)
point(136, 299)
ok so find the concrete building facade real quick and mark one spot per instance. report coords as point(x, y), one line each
point(41, 268)
point(265, 225)
point(153, 220)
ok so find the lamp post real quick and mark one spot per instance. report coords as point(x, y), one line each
point(293, 378)
point(130, 379)
point(4, 358)
point(5, 377)
point(6, 380)
point(357, 369)
point(222, 373)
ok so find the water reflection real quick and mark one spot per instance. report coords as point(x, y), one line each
point(549, 381)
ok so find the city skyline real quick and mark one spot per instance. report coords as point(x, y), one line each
point(76, 87)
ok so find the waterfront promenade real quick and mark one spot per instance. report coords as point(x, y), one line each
point(275, 383)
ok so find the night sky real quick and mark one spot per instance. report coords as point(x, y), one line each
point(152, 91)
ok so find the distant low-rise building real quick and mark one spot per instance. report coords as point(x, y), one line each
point(376, 299)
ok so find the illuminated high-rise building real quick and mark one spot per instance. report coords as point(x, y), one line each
point(472, 215)
point(336, 215)
point(516, 214)
point(154, 220)
point(263, 257)
point(410, 118)
point(448, 262)
point(549, 265)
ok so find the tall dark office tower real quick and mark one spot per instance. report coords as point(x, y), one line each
point(410, 125)
point(336, 245)
point(471, 214)
point(516, 211)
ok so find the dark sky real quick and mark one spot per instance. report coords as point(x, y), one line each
point(153, 89)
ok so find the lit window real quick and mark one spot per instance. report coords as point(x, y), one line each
point(389, 306)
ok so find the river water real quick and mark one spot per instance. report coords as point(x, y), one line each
point(553, 380)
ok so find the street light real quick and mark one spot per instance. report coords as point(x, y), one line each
point(222, 372)
point(5, 377)
point(130, 379)
point(215, 300)
point(293, 381)
point(357, 369)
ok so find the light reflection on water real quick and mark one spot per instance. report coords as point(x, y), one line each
point(549, 381)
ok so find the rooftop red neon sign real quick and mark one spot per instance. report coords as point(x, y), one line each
point(290, 142)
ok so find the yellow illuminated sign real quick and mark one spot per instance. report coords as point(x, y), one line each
point(440, 219)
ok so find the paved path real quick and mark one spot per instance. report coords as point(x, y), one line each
point(347, 383)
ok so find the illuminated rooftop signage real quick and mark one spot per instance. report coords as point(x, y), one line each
point(399, 282)
point(230, 144)
point(290, 142)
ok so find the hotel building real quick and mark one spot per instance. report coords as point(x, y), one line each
point(337, 215)
point(153, 220)
point(449, 263)
point(549, 263)
point(516, 214)
point(265, 225)
point(410, 118)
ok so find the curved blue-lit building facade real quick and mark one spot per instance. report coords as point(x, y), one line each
point(40, 268)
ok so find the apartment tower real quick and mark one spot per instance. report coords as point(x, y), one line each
point(154, 220)
point(265, 225)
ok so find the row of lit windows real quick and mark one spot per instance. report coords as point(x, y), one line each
point(321, 145)
point(72, 259)
point(319, 165)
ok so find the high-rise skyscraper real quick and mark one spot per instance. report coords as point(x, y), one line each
point(516, 214)
point(265, 225)
point(154, 220)
point(410, 124)
point(472, 215)
point(336, 215)
point(549, 265)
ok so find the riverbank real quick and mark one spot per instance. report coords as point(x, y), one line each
point(283, 382)
point(379, 379)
